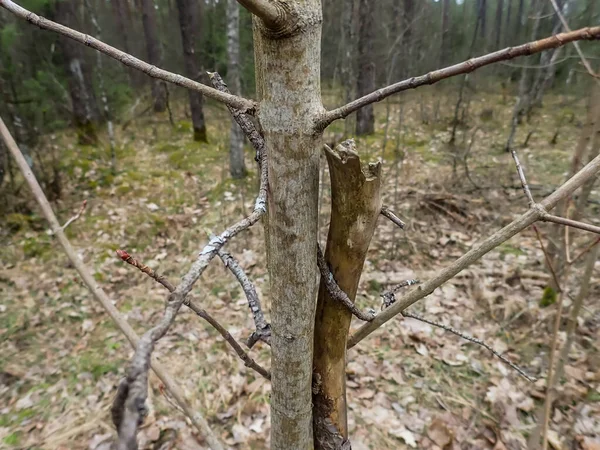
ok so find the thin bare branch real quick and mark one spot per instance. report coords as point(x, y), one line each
point(269, 12)
point(532, 215)
point(197, 419)
point(387, 212)
point(565, 25)
point(243, 104)
point(547, 258)
point(263, 329)
point(248, 361)
point(469, 338)
point(571, 223)
point(73, 218)
point(523, 179)
point(336, 292)
point(468, 66)
point(389, 297)
point(585, 250)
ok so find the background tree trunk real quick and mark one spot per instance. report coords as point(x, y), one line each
point(159, 88)
point(498, 26)
point(365, 118)
point(237, 166)
point(289, 91)
point(482, 11)
point(86, 114)
point(445, 41)
point(188, 23)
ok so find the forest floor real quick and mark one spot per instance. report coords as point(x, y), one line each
point(409, 385)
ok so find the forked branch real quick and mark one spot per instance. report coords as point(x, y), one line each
point(243, 104)
point(196, 418)
point(555, 41)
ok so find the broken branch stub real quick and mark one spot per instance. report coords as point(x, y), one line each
point(355, 207)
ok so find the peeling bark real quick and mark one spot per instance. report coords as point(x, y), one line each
point(355, 207)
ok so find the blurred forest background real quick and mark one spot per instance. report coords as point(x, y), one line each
point(159, 166)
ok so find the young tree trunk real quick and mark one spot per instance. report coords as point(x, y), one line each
point(365, 117)
point(482, 11)
point(188, 23)
point(445, 43)
point(355, 207)
point(79, 78)
point(123, 24)
point(237, 166)
point(159, 88)
point(287, 61)
point(348, 60)
point(498, 27)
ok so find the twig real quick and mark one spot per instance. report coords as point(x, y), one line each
point(243, 104)
point(248, 361)
point(263, 329)
point(72, 219)
point(571, 223)
point(585, 250)
point(565, 25)
point(532, 215)
point(195, 416)
point(547, 258)
point(468, 66)
point(387, 212)
point(471, 339)
point(335, 291)
point(389, 297)
point(522, 178)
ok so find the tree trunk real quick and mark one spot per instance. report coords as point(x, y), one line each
point(86, 114)
point(408, 18)
point(365, 117)
point(498, 27)
point(237, 166)
point(507, 39)
point(355, 207)
point(348, 60)
point(482, 11)
point(287, 61)
point(188, 23)
point(159, 88)
point(445, 44)
point(123, 23)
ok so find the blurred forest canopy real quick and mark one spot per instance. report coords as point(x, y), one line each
point(407, 38)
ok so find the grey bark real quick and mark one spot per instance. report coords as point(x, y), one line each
point(188, 24)
point(498, 26)
point(445, 43)
point(159, 88)
point(365, 117)
point(287, 61)
point(86, 114)
point(237, 166)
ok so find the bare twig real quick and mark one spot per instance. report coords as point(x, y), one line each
point(197, 419)
point(502, 358)
point(532, 215)
point(571, 223)
point(389, 297)
point(73, 218)
point(263, 329)
point(457, 69)
point(243, 104)
point(585, 250)
point(565, 25)
point(547, 258)
point(387, 212)
point(522, 178)
point(269, 12)
point(336, 292)
point(248, 361)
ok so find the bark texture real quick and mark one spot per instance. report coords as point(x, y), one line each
point(287, 60)
point(159, 88)
point(365, 118)
point(86, 114)
point(355, 207)
point(188, 23)
point(237, 166)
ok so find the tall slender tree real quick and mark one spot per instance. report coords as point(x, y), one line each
point(159, 87)
point(188, 23)
point(365, 83)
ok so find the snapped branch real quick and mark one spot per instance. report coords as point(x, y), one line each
point(265, 10)
point(468, 66)
point(243, 104)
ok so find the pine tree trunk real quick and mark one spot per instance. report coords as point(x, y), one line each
point(237, 166)
point(188, 23)
point(159, 88)
point(86, 114)
point(287, 61)
point(365, 118)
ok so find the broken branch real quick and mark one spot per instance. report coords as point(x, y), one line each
point(387, 212)
point(72, 219)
